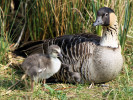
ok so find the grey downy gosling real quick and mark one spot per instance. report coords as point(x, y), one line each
point(40, 66)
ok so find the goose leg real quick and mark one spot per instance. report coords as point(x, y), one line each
point(32, 85)
point(25, 81)
point(91, 86)
point(43, 82)
point(26, 84)
point(103, 85)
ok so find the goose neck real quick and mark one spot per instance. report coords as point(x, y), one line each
point(110, 36)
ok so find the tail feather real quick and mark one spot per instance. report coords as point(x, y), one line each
point(29, 48)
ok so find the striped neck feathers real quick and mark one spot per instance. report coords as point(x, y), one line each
point(110, 34)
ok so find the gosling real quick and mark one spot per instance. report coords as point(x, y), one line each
point(40, 67)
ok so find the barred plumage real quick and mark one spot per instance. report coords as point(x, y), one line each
point(96, 59)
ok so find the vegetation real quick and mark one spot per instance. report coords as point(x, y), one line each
point(41, 19)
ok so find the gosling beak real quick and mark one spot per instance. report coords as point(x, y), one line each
point(60, 55)
point(98, 21)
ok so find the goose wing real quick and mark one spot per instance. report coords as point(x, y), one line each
point(68, 43)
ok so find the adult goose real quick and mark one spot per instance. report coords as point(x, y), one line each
point(96, 59)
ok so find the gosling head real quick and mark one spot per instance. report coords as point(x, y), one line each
point(105, 17)
point(54, 51)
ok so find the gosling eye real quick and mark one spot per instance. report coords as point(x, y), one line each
point(55, 52)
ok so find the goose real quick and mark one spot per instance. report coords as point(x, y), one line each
point(96, 59)
point(40, 67)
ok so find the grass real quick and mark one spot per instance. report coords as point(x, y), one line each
point(47, 19)
point(119, 89)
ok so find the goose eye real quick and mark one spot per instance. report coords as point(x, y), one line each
point(106, 14)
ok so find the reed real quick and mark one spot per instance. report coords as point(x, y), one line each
point(50, 18)
point(4, 37)
point(123, 31)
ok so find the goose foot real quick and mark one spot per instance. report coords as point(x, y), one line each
point(91, 86)
point(103, 85)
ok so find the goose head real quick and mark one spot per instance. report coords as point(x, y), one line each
point(54, 51)
point(105, 17)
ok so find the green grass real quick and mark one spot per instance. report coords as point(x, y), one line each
point(119, 89)
point(48, 19)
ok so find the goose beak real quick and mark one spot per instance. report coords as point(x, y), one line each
point(98, 21)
